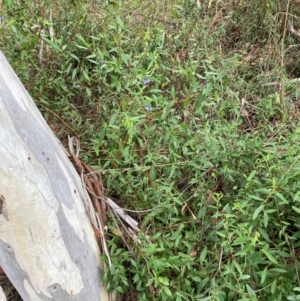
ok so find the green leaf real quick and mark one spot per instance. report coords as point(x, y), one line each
point(221, 234)
point(250, 290)
point(112, 119)
point(81, 47)
point(297, 197)
point(237, 266)
point(156, 236)
point(178, 240)
point(257, 198)
point(163, 280)
point(186, 102)
point(264, 234)
point(280, 196)
point(270, 256)
point(205, 299)
point(82, 40)
point(266, 219)
point(74, 73)
point(167, 291)
point(203, 254)
point(91, 56)
point(178, 298)
point(263, 275)
point(8, 2)
point(201, 212)
point(203, 283)
point(243, 277)
point(74, 57)
point(257, 211)
point(53, 45)
point(252, 174)
point(119, 21)
point(152, 173)
point(88, 92)
point(296, 209)
point(278, 270)
point(124, 104)
point(196, 278)
point(241, 240)
point(85, 75)
point(273, 286)
point(124, 58)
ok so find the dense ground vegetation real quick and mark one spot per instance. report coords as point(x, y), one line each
point(190, 109)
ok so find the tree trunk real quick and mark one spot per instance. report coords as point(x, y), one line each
point(47, 245)
point(2, 296)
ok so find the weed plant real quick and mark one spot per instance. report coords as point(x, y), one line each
point(188, 108)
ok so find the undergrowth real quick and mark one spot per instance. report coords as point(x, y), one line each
point(188, 108)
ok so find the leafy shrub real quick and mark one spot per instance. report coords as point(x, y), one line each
point(168, 101)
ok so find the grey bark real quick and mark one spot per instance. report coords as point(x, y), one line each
point(47, 245)
point(2, 296)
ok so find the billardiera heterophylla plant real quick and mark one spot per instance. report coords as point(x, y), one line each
point(154, 93)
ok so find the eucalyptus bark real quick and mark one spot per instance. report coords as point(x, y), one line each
point(47, 245)
point(2, 296)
